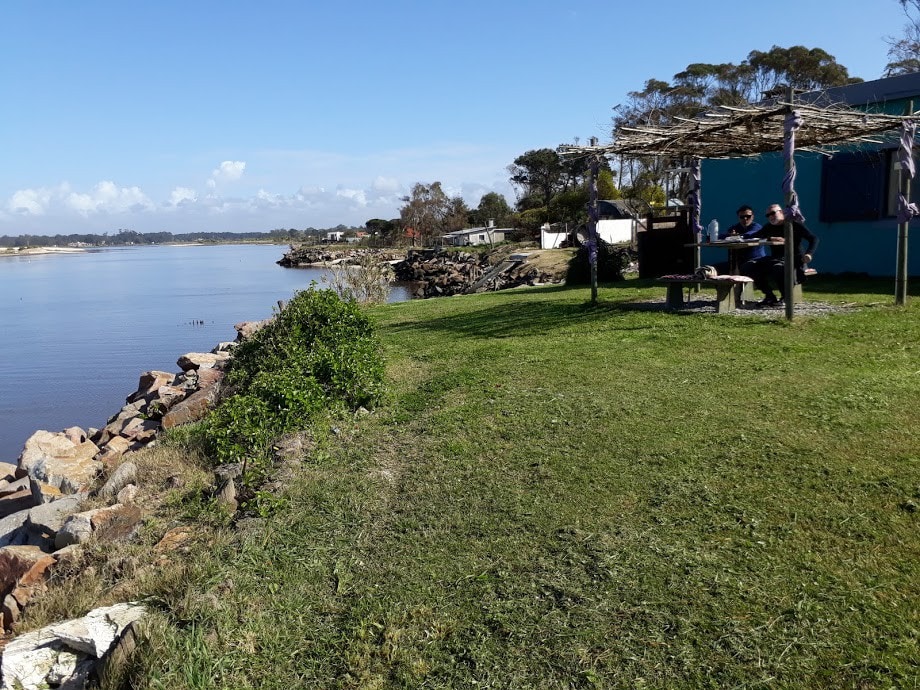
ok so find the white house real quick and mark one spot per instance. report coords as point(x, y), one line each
point(474, 236)
point(616, 224)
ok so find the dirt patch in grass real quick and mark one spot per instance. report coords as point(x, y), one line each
point(552, 261)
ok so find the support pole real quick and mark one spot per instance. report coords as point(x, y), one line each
point(789, 249)
point(593, 215)
point(900, 288)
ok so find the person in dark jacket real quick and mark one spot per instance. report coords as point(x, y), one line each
point(771, 270)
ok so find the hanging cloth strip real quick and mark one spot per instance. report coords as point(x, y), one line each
point(907, 211)
point(791, 124)
point(693, 199)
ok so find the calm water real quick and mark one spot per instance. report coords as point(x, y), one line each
point(78, 329)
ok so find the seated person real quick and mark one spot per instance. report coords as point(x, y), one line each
point(770, 270)
point(745, 227)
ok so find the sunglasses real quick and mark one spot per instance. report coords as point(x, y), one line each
point(771, 214)
point(745, 216)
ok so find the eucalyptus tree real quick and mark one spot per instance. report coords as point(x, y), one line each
point(904, 52)
point(702, 85)
point(424, 211)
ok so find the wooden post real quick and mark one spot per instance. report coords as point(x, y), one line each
point(789, 249)
point(593, 214)
point(900, 288)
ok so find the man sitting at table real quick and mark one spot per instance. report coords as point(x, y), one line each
point(771, 270)
point(745, 227)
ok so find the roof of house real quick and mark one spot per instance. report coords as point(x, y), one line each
point(475, 231)
point(615, 208)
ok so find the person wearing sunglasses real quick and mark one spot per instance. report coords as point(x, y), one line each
point(746, 227)
point(771, 270)
point(745, 259)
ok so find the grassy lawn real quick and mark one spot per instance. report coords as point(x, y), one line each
point(565, 496)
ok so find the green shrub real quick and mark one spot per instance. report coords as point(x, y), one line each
point(319, 353)
point(612, 263)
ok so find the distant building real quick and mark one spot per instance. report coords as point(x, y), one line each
point(334, 236)
point(475, 236)
point(616, 224)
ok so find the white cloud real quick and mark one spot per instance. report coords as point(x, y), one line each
point(30, 201)
point(107, 197)
point(228, 171)
point(329, 190)
point(356, 196)
point(385, 185)
point(182, 195)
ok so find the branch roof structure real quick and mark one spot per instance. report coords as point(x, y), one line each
point(731, 132)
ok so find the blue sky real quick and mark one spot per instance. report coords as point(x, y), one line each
point(248, 116)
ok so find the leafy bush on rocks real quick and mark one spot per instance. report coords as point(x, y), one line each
point(318, 353)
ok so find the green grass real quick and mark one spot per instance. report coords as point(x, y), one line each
point(560, 495)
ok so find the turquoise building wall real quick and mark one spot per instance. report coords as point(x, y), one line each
point(857, 246)
point(852, 246)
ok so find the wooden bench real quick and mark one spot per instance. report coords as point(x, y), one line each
point(728, 290)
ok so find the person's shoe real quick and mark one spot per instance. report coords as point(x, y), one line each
point(769, 301)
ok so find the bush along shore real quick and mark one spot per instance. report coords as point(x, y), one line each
point(78, 491)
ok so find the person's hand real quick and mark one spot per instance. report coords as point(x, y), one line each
point(806, 258)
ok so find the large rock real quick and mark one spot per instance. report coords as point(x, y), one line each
point(11, 487)
point(22, 573)
point(125, 474)
point(49, 517)
point(55, 459)
point(110, 524)
point(11, 528)
point(245, 329)
point(191, 409)
point(149, 382)
point(13, 503)
point(113, 450)
point(202, 360)
point(64, 654)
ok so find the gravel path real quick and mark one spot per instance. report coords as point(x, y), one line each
point(703, 306)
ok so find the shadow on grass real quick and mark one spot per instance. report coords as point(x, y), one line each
point(859, 285)
point(525, 319)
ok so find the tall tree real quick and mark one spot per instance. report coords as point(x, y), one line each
point(492, 206)
point(904, 52)
point(702, 85)
point(424, 211)
point(537, 174)
point(457, 214)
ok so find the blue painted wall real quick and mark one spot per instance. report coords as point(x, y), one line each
point(859, 246)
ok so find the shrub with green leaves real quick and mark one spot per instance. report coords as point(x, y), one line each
point(319, 353)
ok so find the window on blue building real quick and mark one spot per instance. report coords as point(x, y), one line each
point(860, 186)
point(853, 186)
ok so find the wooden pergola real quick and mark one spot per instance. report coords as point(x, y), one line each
point(780, 126)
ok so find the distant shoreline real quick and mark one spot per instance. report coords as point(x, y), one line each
point(32, 251)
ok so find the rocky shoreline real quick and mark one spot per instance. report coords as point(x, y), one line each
point(74, 486)
point(438, 273)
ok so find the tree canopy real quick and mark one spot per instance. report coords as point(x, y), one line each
point(904, 52)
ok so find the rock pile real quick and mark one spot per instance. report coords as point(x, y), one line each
point(41, 500)
point(302, 257)
point(457, 273)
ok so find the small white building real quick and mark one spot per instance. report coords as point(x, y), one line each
point(474, 236)
point(616, 224)
point(334, 236)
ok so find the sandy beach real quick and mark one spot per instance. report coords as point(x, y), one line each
point(30, 251)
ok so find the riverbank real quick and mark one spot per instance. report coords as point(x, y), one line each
point(551, 496)
point(33, 251)
point(446, 272)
